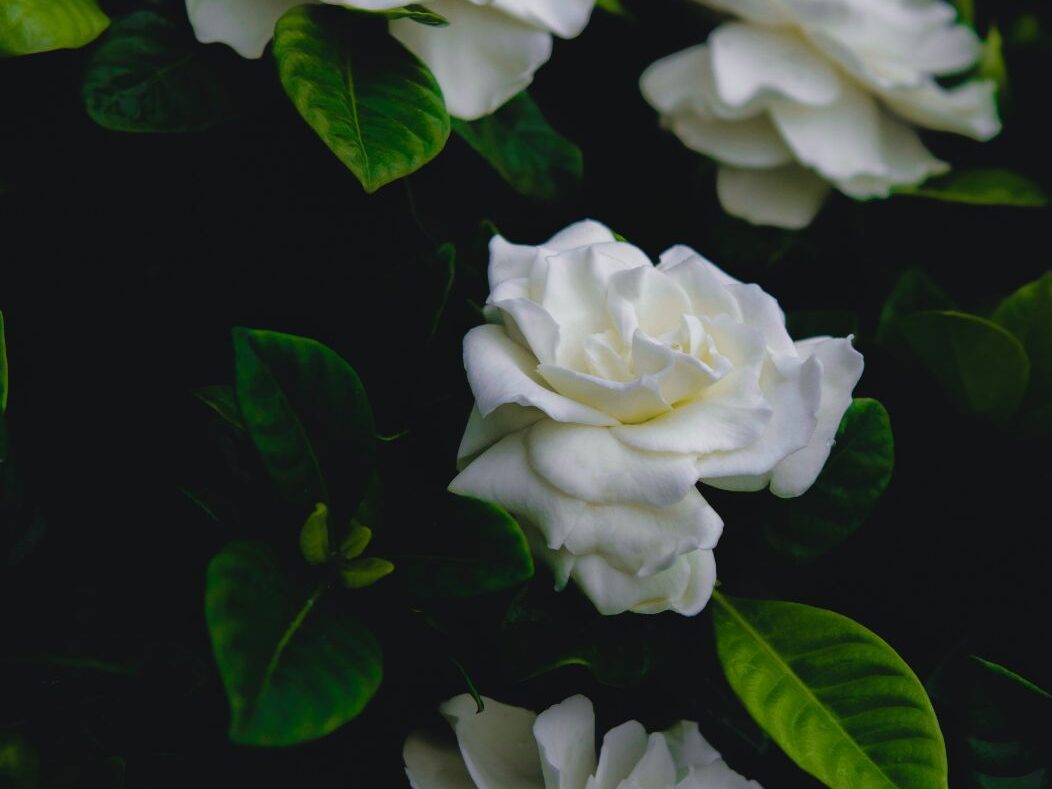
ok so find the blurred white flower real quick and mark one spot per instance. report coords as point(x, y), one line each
point(802, 95)
point(507, 747)
point(488, 53)
point(606, 387)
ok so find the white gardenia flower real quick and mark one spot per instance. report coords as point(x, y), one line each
point(606, 387)
point(798, 96)
point(488, 53)
point(507, 747)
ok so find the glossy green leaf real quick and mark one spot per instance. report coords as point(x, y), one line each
point(414, 12)
point(524, 149)
point(375, 105)
point(223, 400)
point(29, 26)
point(1027, 314)
point(853, 480)
point(149, 74)
point(998, 724)
point(308, 415)
point(991, 186)
point(835, 697)
point(360, 573)
point(4, 374)
point(983, 369)
point(296, 666)
point(474, 547)
point(914, 291)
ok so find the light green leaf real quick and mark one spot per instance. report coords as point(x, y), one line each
point(612, 7)
point(307, 414)
point(296, 666)
point(837, 699)
point(416, 13)
point(29, 26)
point(360, 573)
point(853, 480)
point(223, 400)
point(524, 149)
point(475, 547)
point(1027, 314)
point(989, 186)
point(314, 536)
point(4, 375)
point(375, 105)
point(983, 369)
point(150, 75)
point(356, 541)
point(991, 60)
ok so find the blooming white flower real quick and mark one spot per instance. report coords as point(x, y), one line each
point(488, 53)
point(507, 747)
point(799, 95)
point(606, 387)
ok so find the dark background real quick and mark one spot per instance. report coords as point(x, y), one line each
point(126, 260)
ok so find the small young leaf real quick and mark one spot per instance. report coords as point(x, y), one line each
point(529, 154)
point(150, 75)
point(296, 666)
point(853, 480)
point(355, 543)
point(370, 100)
point(837, 699)
point(361, 573)
point(982, 368)
point(991, 186)
point(314, 536)
point(414, 12)
point(615, 7)
point(30, 26)
point(1027, 314)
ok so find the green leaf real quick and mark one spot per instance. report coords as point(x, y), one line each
point(356, 541)
point(1027, 314)
point(4, 375)
point(524, 149)
point(613, 7)
point(997, 722)
point(834, 696)
point(360, 573)
point(308, 415)
point(29, 26)
point(991, 60)
point(987, 186)
point(314, 536)
point(414, 12)
point(914, 291)
point(376, 106)
point(295, 665)
point(223, 400)
point(982, 368)
point(443, 272)
point(150, 75)
point(475, 548)
point(853, 480)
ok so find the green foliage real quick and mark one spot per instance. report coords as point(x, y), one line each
point(982, 368)
point(360, 573)
point(853, 480)
point(915, 291)
point(616, 7)
point(150, 75)
point(981, 186)
point(475, 548)
point(371, 101)
point(999, 722)
point(222, 400)
point(30, 26)
point(416, 13)
point(837, 699)
point(1027, 314)
point(314, 536)
point(529, 154)
point(308, 415)
point(295, 665)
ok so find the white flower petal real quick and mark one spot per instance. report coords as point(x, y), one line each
point(565, 18)
point(244, 25)
point(753, 142)
point(751, 61)
point(716, 776)
point(969, 109)
point(623, 747)
point(501, 371)
point(432, 764)
point(482, 432)
point(530, 325)
point(672, 82)
point(565, 734)
point(685, 587)
point(688, 747)
point(679, 376)
point(645, 298)
point(759, 310)
point(841, 369)
point(788, 197)
point(908, 162)
point(768, 12)
point(590, 464)
point(704, 282)
point(497, 744)
point(628, 401)
point(656, 769)
point(481, 59)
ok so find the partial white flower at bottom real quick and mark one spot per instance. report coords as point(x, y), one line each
point(606, 387)
point(800, 96)
point(507, 747)
point(489, 51)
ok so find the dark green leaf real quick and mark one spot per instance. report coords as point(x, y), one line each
point(223, 400)
point(529, 154)
point(370, 100)
point(307, 414)
point(991, 186)
point(475, 548)
point(982, 368)
point(150, 75)
point(999, 724)
point(416, 13)
point(295, 665)
point(914, 292)
point(4, 375)
point(837, 699)
point(853, 480)
point(1027, 314)
point(28, 26)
